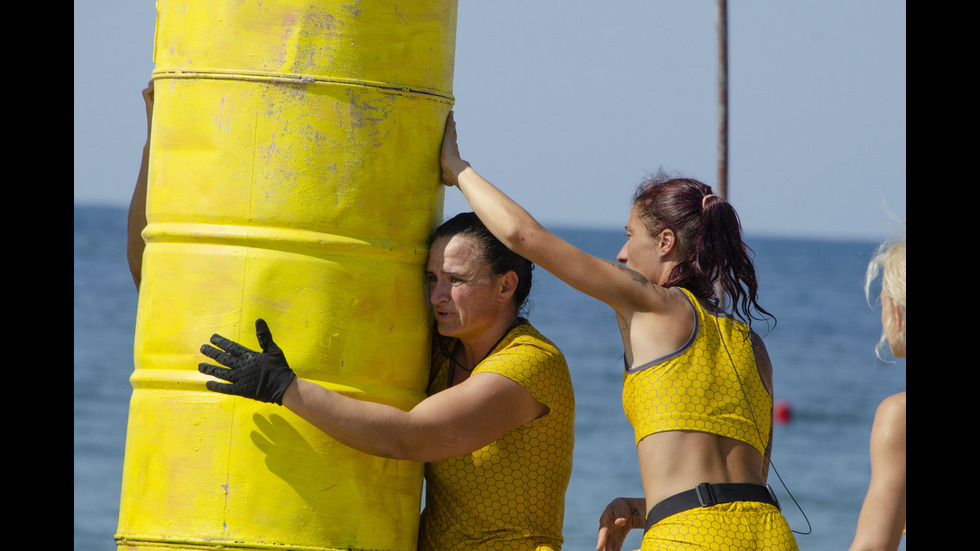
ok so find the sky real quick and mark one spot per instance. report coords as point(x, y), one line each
point(567, 105)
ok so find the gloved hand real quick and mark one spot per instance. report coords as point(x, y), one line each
point(263, 376)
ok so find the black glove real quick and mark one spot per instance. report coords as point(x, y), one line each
point(260, 376)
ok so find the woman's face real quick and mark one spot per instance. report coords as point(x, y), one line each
point(640, 253)
point(893, 323)
point(466, 297)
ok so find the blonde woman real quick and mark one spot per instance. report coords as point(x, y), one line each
point(882, 520)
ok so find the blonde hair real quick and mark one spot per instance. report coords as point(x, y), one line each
point(889, 261)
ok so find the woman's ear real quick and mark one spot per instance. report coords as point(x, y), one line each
point(898, 315)
point(508, 284)
point(895, 333)
point(666, 241)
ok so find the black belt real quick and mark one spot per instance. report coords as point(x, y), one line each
point(706, 495)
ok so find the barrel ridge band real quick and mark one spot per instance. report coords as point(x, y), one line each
point(295, 78)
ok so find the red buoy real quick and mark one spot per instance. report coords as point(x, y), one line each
point(781, 412)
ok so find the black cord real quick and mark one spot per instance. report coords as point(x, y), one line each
point(714, 304)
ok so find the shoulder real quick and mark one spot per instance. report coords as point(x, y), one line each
point(888, 449)
point(889, 424)
point(892, 407)
point(525, 340)
point(528, 358)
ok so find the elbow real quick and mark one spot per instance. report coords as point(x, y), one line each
point(520, 234)
point(398, 450)
point(404, 444)
point(514, 238)
point(407, 449)
point(423, 446)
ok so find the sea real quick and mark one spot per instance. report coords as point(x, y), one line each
point(822, 348)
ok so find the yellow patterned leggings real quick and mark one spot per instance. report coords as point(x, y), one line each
point(738, 526)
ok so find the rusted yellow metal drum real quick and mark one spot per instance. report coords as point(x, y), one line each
point(294, 176)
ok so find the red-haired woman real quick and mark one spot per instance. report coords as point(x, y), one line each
point(698, 382)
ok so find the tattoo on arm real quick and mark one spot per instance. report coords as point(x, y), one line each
point(637, 277)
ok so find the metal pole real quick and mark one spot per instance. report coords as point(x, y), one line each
point(722, 29)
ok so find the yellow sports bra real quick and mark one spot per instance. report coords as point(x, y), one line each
point(711, 384)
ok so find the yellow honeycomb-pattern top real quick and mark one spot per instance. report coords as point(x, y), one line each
point(711, 384)
point(509, 495)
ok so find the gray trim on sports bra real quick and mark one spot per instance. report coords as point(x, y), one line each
point(679, 351)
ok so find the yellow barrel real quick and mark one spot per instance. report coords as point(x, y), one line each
point(294, 176)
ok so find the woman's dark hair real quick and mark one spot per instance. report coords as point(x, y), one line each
point(710, 238)
point(494, 253)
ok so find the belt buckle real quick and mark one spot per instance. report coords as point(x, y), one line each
point(706, 497)
point(775, 499)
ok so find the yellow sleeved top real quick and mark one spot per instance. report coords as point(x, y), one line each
point(509, 495)
point(711, 384)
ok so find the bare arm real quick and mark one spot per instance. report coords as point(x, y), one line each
point(458, 420)
point(882, 516)
point(137, 207)
point(623, 289)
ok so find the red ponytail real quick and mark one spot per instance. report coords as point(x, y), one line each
point(710, 237)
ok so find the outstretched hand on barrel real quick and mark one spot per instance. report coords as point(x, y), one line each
point(262, 376)
point(450, 160)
